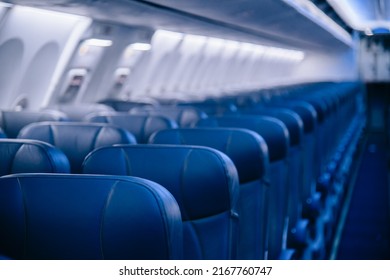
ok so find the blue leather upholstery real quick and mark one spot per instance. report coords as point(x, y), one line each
point(184, 116)
point(13, 121)
point(139, 125)
point(203, 181)
point(297, 238)
point(249, 154)
point(276, 136)
point(78, 112)
point(45, 216)
point(21, 156)
point(76, 140)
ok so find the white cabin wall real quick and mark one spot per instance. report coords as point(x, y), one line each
point(32, 48)
point(328, 66)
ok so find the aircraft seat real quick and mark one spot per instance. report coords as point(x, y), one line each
point(75, 217)
point(76, 139)
point(31, 156)
point(78, 112)
point(184, 116)
point(140, 126)
point(249, 153)
point(203, 181)
point(13, 121)
point(276, 136)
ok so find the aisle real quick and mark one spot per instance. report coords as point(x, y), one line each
point(366, 233)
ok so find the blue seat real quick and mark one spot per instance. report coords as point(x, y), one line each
point(31, 156)
point(276, 136)
point(184, 116)
point(78, 112)
point(203, 181)
point(76, 140)
point(249, 154)
point(140, 126)
point(298, 236)
point(13, 121)
point(68, 216)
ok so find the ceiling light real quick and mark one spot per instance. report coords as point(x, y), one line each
point(98, 43)
point(140, 46)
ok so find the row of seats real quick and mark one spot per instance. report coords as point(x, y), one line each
point(283, 210)
point(203, 182)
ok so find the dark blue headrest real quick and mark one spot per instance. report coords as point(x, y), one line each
point(202, 179)
point(320, 107)
point(21, 156)
point(290, 119)
point(273, 131)
point(246, 149)
point(305, 110)
point(71, 216)
point(184, 116)
point(140, 126)
point(13, 121)
point(76, 140)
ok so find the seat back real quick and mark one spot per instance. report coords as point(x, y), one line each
point(294, 124)
point(13, 121)
point(140, 126)
point(249, 154)
point(30, 156)
point(276, 136)
point(45, 217)
point(78, 112)
point(184, 116)
point(203, 181)
point(76, 140)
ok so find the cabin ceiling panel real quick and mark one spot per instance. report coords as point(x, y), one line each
point(266, 21)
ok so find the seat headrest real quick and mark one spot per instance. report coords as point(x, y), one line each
point(273, 131)
point(77, 112)
point(305, 110)
point(13, 121)
point(203, 180)
point(76, 140)
point(140, 126)
point(289, 118)
point(184, 116)
point(75, 217)
point(31, 156)
point(246, 149)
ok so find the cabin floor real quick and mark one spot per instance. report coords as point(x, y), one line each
point(365, 225)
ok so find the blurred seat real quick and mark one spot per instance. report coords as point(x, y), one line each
point(76, 217)
point(276, 136)
point(184, 116)
point(140, 126)
point(78, 112)
point(249, 153)
point(203, 181)
point(13, 121)
point(76, 140)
